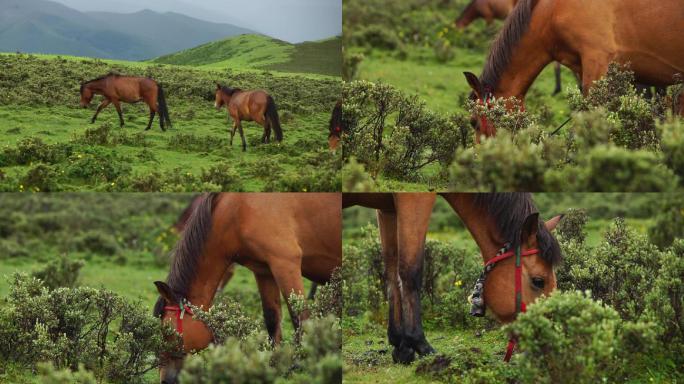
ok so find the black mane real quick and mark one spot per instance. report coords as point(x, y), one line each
point(510, 211)
point(230, 91)
point(188, 250)
point(98, 79)
point(506, 42)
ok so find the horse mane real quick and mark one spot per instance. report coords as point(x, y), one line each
point(336, 119)
point(505, 43)
point(188, 251)
point(230, 91)
point(98, 79)
point(510, 211)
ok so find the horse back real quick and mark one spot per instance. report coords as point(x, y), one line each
point(132, 89)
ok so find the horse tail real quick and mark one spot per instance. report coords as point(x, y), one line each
point(163, 110)
point(273, 119)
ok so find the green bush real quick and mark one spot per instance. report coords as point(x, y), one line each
point(74, 327)
point(98, 165)
point(571, 228)
point(41, 178)
point(668, 223)
point(60, 272)
point(97, 242)
point(569, 338)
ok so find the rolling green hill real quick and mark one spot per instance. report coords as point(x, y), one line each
point(262, 52)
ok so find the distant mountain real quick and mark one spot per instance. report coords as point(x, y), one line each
point(262, 52)
point(40, 26)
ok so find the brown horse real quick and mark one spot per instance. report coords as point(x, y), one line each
point(585, 36)
point(493, 220)
point(280, 237)
point(257, 106)
point(336, 127)
point(491, 10)
point(129, 89)
point(180, 225)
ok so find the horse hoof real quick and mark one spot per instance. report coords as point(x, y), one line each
point(424, 349)
point(403, 355)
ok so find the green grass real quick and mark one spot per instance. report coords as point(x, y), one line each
point(323, 57)
point(304, 103)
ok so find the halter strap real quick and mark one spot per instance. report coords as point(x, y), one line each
point(180, 312)
point(520, 306)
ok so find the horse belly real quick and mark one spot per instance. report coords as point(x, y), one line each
point(651, 39)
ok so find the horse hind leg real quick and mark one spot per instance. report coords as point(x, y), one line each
point(557, 70)
point(232, 132)
point(153, 112)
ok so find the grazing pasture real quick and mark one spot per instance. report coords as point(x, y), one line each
point(49, 144)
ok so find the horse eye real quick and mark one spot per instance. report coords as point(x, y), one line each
point(538, 282)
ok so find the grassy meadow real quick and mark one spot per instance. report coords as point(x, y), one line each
point(48, 142)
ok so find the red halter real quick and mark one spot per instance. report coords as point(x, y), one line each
point(483, 119)
point(180, 311)
point(519, 304)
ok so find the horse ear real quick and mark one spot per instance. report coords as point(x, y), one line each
point(552, 223)
point(166, 292)
point(474, 83)
point(529, 228)
point(218, 86)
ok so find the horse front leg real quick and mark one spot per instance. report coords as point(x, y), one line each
point(413, 216)
point(285, 265)
point(387, 223)
point(102, 106)
point(232, 133)
point(557, 70)
point(270, 304)
point(242, 136)
point(117, 104)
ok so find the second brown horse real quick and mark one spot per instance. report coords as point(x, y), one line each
point(128, 89)
point(257, 106)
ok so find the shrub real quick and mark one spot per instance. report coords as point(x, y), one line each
point(363, 274)
point(569, 338)
point(668, 222)
point(571, 228)
point(224, 175)
point(97, 242)
point(97, 136)
point(227, 319)
point(61, 272)
point(50, 375)
point(97, 165)
point(72, 327)
point(43, 178)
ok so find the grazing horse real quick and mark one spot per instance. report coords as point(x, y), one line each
point(585, 36)
point(257, 106)
point(337, 127)
point(280, 237)
point(129, 89)
point(499, 10)
point(495, 221)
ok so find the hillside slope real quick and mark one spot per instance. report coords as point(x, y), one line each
point(40, 26)
point(262, 52)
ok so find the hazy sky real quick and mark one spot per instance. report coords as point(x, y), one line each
point(290, 20)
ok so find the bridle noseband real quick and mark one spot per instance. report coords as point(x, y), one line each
point(477, 299)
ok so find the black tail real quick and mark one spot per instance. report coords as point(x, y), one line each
point(164, 119)
point(273, 119)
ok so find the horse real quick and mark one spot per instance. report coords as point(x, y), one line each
point(257, 106)
point(280, 237)
point(129, 89)
point(179, 226)
point(499, 10)
point(585, 36)
point(497, 222)
point(336, 127)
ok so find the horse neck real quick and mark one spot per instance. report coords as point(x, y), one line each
point(481, 226)
point(529, 57)
point(468, 15)
point(210, 270)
